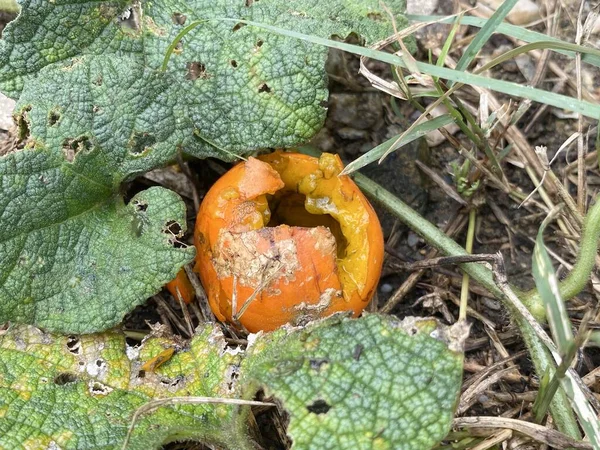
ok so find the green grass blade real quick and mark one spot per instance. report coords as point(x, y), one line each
point(483, 36)
point(550, 98)
point(448, 43)
point(547, 285)
point(517, 32)
point(395, 143)
point(560, 324)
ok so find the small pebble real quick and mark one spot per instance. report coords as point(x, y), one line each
point(386, 288)
point(413, 239)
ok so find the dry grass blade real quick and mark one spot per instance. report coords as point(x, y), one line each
point(155, 404)
point(539, 433)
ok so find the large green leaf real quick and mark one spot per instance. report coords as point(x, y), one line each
point(81, 392)
point(371, 383)
point(73, 257)
point(96, 67)
point(98, 109)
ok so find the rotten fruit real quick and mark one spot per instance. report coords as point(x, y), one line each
point(283, 238)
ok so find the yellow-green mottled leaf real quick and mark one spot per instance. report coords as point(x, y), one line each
point(371, 383)
point(80, 392)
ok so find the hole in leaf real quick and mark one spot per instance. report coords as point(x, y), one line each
point(249, 3)
point(141, 142)
point(259, 43)
point(238, 26)
point(264, 87)
point(171, 383)
point(233, 63)
point(319, 407)
point(53, 118)
point(65, 378)
point(23, 123)
point(141, 374)
point(178, 18)
point(173, 227)
point(130, 18)
point(178, 48)
point(74, 345)
point(357, 352)
point(72, 147)
point(196, 70)
point(317, 364)
point(140, 206)
point(323, 103)
point(375, 16)
point(97, 388)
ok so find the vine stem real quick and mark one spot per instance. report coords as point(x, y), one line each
point(560, 408)
point(579, 276)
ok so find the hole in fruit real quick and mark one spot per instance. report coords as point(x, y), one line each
point(72, 147)
point(196, 70)
point(238, 26)
point(53, 118)
point(65, 378)
point(264, 87)
point(141, 143)
point(319, 407)
point(289, 208)
point(233, 63)
point(178, 18)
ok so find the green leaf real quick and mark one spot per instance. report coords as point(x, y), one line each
point(73, 256)
point(97, 111)
point(371, 383)
point(98, 65)
point(80, 392)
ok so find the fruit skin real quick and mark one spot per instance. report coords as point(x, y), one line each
point(181, 285)
point(294, 272)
